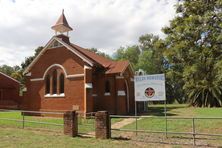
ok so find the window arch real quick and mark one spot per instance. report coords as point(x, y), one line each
point(47, 84)
point(107, 87)
point(61, 83)
point(54, 82)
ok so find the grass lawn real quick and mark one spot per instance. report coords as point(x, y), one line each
point(11, 132)
point(180, 125)
point(26, 138)
point(84, 125)
point(18, 116)
point(157, 120)
point(14, 137)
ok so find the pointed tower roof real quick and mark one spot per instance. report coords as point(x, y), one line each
point(62, 24)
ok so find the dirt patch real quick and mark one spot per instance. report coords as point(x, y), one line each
point(160, 140)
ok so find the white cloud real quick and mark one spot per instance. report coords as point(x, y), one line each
point(107, 25)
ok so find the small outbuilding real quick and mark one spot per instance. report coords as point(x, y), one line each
point(9, 92)
point(65, 76)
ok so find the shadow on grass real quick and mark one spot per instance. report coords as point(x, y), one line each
point(85, 136)
point(121, 138)
point(160, 110)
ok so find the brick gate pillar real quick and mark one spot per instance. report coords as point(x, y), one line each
point(103, 126)
point(70, 123)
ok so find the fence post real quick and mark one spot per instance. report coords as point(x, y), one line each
point(194, 132)
point(23, 120)
point(136, 125)
point(103, 125)
point(165, 113)
point(80, 118)
point(166, 127)
point(71, 123)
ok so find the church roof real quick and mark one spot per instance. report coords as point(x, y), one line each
point(118, 67)
point(110, 65)
point(86, 55)
point(105, 62)
point(8, 77)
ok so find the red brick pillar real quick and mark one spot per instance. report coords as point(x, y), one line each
point(70, 123)
point(103, 126)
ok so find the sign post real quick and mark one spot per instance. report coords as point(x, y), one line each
point(150, 88)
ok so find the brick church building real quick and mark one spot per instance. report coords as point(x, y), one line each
point(9, 92)
point(65, 76)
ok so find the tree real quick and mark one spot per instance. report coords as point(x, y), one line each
point(18, 76)
point(194, 43)
point(95, 50)
point(148, 42)
point(130, 53)
point(145, 62)
point(148, 56)
point(153, 61)
point(8, 70)
point(14, 72)
point(155, 46)
point(28, 60)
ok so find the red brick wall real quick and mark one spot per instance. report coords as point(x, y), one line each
point(89, 100)
point(123, 101)
point(75, 92)
point(31, 98)
point(9, 89)
point(113, 103)
point(61, 55)
point(129, 77)
point(103, 102)
point(74, 87)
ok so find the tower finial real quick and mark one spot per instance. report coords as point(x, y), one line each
point(62, 24)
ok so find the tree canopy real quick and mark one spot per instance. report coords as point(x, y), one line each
point(147, 55)
point(194, 45)
point(14, 72)
point(100, 52)
point(29, 59)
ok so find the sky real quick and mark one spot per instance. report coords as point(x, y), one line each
point(102, 24)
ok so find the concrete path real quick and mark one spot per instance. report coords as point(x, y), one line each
point(116, 125)
point(123, 123)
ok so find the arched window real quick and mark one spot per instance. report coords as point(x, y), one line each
point(54, 82)
point(107, 87)
point(47, 85)
point(61, 83)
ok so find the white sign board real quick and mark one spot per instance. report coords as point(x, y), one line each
point(150, 87)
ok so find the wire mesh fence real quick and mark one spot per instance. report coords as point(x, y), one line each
point(86, 123)
point(192, 129)
point(50, 121)
point(196, 130)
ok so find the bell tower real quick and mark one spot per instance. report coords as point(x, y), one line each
point(62, 25)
